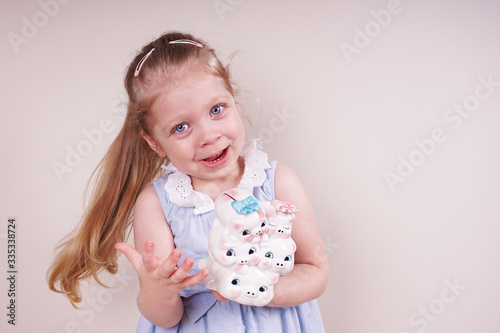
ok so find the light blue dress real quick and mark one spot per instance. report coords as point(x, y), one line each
point(190, 219)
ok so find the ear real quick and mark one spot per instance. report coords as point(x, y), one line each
point(152, 144)
point(262, 214)
point(273, 278)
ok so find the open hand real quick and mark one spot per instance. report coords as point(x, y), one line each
point(157, 276)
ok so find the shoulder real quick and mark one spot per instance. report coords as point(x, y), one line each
point(147, 199)
point(286, 182)
point(289, 187)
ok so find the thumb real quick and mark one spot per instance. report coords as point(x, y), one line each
point(132, 254)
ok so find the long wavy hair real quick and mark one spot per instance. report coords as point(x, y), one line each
point(128, 166)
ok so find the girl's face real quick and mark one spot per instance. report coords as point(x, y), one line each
point(198, 127)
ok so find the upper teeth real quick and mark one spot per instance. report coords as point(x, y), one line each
point(216, 154)
point(215, 157)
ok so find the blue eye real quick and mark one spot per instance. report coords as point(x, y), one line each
point(235, 282)
point(263, 289)
point(180, 128)
point(230, 253)
point(288, 258)
point(252, 250)
point(246, 232)
point(269, 255)
point(216, 110)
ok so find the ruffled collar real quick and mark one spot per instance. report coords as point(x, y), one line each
point(181, 192)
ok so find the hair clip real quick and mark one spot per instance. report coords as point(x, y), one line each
point(139, 65)
point(185, 41)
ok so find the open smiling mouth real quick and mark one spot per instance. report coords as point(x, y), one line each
point(216, 157)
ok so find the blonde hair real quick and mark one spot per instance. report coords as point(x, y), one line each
point(127, 168)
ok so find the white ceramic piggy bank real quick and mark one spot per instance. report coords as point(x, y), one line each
point(238, 266)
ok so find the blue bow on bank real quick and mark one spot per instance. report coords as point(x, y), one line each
point(246, 206)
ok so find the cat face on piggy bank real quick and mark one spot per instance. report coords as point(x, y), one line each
point(241, 215)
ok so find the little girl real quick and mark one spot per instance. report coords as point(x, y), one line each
point(182, 117)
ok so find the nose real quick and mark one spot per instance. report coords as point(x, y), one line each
point(251, 292)
point(208, 133)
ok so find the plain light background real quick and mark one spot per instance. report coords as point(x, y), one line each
point(351, 94)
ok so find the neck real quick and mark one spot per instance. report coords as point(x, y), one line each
point(214, 187)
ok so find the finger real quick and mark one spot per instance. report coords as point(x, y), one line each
point(132, 254)
point(182, 272)
point(170, 264)
point(148, 255)
point(193, 280)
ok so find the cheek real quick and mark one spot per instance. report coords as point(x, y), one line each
point(234, 291)
point(266, 296)
point(177, 153)
point(228, 260)
point(254, 259)
point(266, 263)
point(237, 226)
point(237, 127)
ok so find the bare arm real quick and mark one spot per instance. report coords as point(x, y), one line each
point(309, 277)
point(155, 262)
